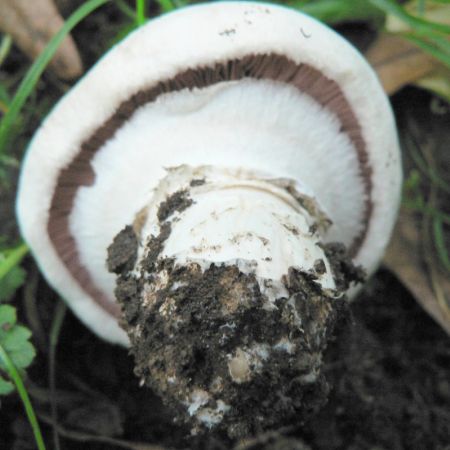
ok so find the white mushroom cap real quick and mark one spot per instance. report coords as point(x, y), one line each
point(232, 84)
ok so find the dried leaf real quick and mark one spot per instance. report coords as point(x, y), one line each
point(398, 62)
point(32, 24)
point(428, 285)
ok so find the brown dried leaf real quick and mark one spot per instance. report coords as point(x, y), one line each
point(398, 62)
point(427, 284)
point(32, 24)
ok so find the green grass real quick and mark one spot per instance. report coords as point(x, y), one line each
point(425, 191)
point(23, 394)
point(167, 5)
point(34, 73)
point(16, 352)
point(11, 259)
point(14, 338)
point(335, 11)
point(431, 37)
point(140, 12)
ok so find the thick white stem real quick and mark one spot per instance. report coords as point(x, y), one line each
point(231, 295)
point(244, 218)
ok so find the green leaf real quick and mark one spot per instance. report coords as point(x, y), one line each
point(6, 387)
point(12, 281)
point(14, 340)
point(8, 318)
point(11, 258)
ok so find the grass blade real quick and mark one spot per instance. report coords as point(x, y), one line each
point(439, 241)
point(416, 23)
point(440, 50)
point(12, 259)
point(5, 47)
point(15, 377)
point(140, 12)
point(166, 5)
point(334, 11)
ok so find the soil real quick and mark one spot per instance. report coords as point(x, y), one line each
point(388, 372)
point(210, 343)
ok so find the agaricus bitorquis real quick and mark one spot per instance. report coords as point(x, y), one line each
point(212, 184)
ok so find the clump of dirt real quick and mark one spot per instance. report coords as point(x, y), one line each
point(179, 201)
point(342, 266)
point(122, 253)
point(221, 354)
point(208, 346)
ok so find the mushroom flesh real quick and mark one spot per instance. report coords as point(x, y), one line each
point(209, 164)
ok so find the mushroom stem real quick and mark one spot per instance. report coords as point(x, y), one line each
point(263, 224)
point(228, 293)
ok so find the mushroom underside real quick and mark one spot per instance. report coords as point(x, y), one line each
point(82, 174)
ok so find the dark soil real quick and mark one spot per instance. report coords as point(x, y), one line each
point(208, 342)
point(389, 372)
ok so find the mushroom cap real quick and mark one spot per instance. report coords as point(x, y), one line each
point(236, 84)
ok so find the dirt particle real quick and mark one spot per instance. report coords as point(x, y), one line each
point(177, 202)
point(228, 32)
point(156, 243)
point(239, 367)
point(122, 253)
point(197, 182)
point(344, 271)
point(319, 266)
point(292, 229)
point(305, 34)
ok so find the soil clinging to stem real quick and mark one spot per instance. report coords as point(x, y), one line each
point(211, 344)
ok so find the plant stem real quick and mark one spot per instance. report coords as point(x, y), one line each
point(15, 377)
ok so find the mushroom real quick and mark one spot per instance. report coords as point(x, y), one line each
point(227, 165)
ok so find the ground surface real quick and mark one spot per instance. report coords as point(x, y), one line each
point(389, 368)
